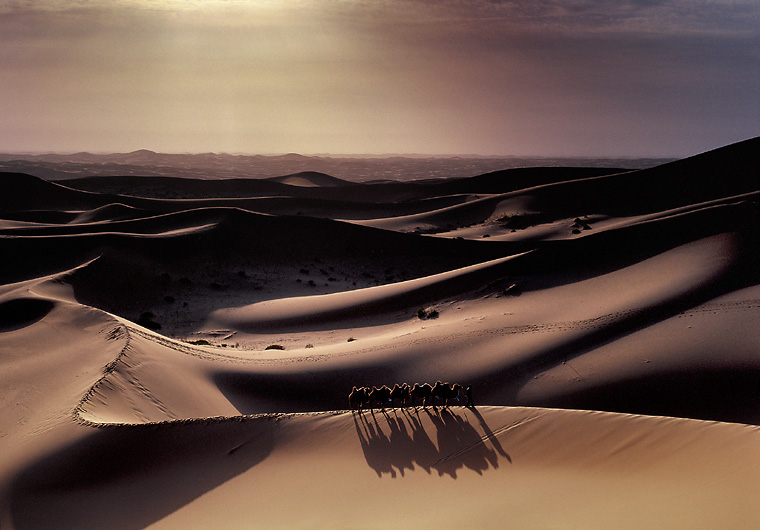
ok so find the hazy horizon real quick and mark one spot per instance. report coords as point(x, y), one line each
point(553, 78)
point(351, 167)
point(330, 155)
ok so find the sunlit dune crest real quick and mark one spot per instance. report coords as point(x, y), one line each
point(178, 353)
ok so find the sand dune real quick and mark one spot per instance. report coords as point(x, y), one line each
point(312, 179)
point(178, 353)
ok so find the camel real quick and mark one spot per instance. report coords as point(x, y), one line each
point(450, 392)
point(357, 398)
point(401, 393)
point(423, 391)
point(382, 394)
point(438, 389)
point(363, 396)
point(405, 391)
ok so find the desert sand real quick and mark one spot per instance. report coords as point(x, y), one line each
point(171, 361)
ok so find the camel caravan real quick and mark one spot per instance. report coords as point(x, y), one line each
point(404, 395)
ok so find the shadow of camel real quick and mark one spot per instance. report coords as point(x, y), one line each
point(398, 441)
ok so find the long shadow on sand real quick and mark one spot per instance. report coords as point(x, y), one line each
point(23, 312)
point(128, 477)
point(440, 440)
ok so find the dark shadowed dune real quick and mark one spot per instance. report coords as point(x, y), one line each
point(718, 395)
point(44, 201)
point(330, 188)
point(160, 187)
point(212, 240)
point(109, 457)
point(110, 212)
point(22, 312)
point(270, 251)
point(312, 179)
point(724, 172)
point(21, 193)
point(43, 216)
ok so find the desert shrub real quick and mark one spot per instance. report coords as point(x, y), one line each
point(427, 314)
point(351, 339)
point(579, 223)
point(309, 346)
point(275, 347)
point(523, 221)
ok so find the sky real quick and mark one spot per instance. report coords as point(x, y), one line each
point(632, 78)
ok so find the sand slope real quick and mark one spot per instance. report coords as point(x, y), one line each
point(607, 321)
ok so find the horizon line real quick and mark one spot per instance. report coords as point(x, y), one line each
point(410, 155)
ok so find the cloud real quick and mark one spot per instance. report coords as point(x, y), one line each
point(663, 13)
point(577, 16)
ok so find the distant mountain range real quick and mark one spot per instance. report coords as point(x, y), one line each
point(218, 166)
